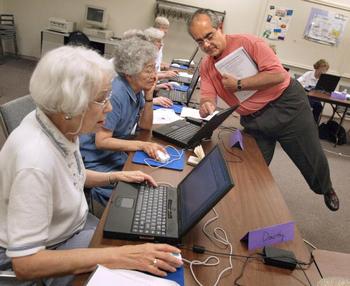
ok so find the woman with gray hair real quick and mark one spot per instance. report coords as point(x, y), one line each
point(156, 37)
point(132, 102)
point(45, 227)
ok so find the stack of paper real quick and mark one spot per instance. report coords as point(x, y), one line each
point(239, 65)
point(112, 277)
point(165, 116)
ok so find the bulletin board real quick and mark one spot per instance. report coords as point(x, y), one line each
point(296, 50)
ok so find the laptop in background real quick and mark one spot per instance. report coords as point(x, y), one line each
point(327, 83)
point(187, 134)
point(172, 212)
point(188, 62)
point(182, 96)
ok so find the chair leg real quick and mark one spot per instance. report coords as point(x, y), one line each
point(15, 45)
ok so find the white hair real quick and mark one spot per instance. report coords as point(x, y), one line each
point(131, 55)
point(67, 78)
point(160, 22)
point(134, 33)
point(154, 34)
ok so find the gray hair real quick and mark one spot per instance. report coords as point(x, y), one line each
point(154, 34)
point(160, 22)
point(134, 33)
point(131, 55)
point(214, 19)
point(67, 78)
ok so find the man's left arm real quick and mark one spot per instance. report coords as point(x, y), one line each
point(260, 81)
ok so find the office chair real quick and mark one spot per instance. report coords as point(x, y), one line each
point(8, 31)
point(78, 38)
point(12, 113)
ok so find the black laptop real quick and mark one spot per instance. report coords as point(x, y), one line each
point(327, 83)
point(165, 214)
point(188, 62)
point(187, 134)
point(182, 96)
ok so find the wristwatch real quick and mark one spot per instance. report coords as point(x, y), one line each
point(239, 85)
point(148, 100)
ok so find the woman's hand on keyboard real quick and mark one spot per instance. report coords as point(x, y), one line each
point(135, 177)
point(162, 101)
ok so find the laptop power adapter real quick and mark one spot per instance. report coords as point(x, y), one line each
point(279, 258)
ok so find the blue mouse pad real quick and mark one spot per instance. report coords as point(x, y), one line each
point(176, 107)
point(177, 276)
point(140, 156)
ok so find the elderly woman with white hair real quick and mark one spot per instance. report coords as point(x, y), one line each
point(45, 227)
point(132, 102)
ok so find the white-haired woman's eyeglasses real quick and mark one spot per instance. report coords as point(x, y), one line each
point(104, 101)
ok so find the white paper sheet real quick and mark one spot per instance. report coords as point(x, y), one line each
point(112, 277)
point(194, 113)
point(239, 65)
point(164, 116)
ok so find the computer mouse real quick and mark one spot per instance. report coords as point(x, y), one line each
point(174, 83)
point(163, 157)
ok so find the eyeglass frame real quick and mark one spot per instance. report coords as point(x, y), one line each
point(207, 38)
point(104, 101)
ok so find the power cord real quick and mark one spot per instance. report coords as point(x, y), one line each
point(227, 149)
point(219, 236)
point(337, 153)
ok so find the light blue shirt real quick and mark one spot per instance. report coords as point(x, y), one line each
point(121, 121)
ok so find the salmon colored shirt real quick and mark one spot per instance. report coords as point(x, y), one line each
point(266, 61)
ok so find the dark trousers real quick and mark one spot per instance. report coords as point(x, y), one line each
point(289, 121)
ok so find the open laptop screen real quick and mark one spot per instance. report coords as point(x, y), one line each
point(203, 188)
point(327, 82)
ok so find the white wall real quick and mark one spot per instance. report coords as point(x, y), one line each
point(31, 17)
point(2, 6)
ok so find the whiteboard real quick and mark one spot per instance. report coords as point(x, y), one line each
point(299, 52)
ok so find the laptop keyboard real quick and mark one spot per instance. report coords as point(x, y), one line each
point(151, 210)
point(184, 133)
point(177, 95)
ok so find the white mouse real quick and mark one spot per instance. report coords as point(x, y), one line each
point(163, 157)
point(174, 83)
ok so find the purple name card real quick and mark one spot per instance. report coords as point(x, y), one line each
point(236, 139)
point(338, 95)
point(270, 235)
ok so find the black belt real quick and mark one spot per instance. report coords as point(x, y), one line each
point(262, 110)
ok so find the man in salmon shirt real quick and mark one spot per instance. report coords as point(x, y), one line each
point(278, 111)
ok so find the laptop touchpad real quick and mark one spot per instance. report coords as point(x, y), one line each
point(125, 203)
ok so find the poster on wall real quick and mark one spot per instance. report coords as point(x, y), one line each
point(325, 27)
point(277, 21)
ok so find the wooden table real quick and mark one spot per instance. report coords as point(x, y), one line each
point(254, 202)
point(326, 98)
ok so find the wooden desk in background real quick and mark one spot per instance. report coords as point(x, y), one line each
point(254, 202)
point(326, 98)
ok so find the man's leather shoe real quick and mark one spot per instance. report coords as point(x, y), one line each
point(331, 200)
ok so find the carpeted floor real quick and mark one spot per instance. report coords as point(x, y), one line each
point(318, 225)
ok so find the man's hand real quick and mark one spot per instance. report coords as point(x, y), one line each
point(207, 108)
point(229, 83)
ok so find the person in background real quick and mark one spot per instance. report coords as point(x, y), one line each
point(162, 24)
point(132, 102)
point(309, 80)
point(45, 226)
point(160, 100)
point(156, 37)
point(277, 112)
